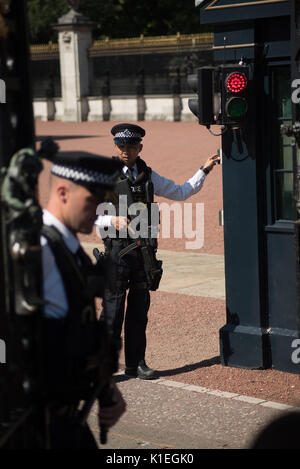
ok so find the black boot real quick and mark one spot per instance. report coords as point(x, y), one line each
point(142, 371)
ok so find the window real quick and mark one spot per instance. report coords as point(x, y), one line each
point(283, 158)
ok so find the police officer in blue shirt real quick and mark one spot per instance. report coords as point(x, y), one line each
point(73, 337)
point(130, 272)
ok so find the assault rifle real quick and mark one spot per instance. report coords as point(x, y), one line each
point(147, 244)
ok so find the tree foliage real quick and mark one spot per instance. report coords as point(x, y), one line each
point(42, 14)
point(117, 18)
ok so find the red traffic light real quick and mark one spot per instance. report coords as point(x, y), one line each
point(236, 82)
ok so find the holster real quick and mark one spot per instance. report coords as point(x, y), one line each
point(152, 266)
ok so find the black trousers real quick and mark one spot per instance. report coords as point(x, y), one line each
point(128, 273)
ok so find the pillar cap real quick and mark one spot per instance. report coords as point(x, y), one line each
point(73, 19)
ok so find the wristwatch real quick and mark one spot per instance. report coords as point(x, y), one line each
point(205, 170)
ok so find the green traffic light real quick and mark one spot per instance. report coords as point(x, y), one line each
point(236, 107)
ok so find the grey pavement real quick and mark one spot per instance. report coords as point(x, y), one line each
point(164, 414)
point(194, 274)
point(170, 415)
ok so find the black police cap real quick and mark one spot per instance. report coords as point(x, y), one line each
point(95, 172)
point(127, 133)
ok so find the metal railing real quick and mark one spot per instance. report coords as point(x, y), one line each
point(152, 44)
point(155, 65)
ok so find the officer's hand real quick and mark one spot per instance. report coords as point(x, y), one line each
point(119, 222)
point(108, 416)
point(211, 161)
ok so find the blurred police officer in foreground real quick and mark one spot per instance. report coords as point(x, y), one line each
point(136, 267)
point(73, 336)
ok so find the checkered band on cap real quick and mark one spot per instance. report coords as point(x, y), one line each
point(84, 175)
point(127, 134)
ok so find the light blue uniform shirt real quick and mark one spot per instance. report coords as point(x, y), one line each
point(54, 293)
point(164, 187)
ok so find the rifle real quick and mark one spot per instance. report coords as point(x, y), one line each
point(148, 244)
point(152, 266)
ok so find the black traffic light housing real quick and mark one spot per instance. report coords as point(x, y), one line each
point(234, 85)
point(201, 83)
point(222, 95)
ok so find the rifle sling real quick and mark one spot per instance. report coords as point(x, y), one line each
point(129, 248)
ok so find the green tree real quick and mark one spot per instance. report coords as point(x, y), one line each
point(118, 18)
point(42, 14)
point(129, 18)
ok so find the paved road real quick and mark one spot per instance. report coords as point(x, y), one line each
point(165, 414)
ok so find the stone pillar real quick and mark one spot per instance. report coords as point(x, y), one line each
point(50, 93)
point(177, 105)
point(105, 91)
point(74, 33)
point(140, 91)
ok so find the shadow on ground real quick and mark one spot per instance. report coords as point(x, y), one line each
point(178, 371)
point(65, 137)
point(186, 368)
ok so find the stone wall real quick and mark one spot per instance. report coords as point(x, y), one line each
point(121, 109)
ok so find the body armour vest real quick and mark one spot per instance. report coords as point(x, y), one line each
point(70, 343)
point(134, 199)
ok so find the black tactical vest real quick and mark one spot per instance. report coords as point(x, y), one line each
point(142, 187)
point(71, 341)
point(139, 191)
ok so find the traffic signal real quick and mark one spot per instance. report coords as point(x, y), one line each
point(201, 83)
point(234, 84)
